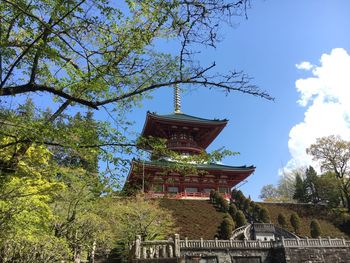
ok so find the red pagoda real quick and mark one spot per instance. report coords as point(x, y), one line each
point(186, 135)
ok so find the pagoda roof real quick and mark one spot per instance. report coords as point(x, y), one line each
point(244, 170)
point(209, 128)
point(208, 166)
point(189, 118)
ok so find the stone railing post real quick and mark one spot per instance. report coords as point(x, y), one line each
point(138, 247)
point(216, 242)
point(177, 245)
point(186, 241)
point(202, 245)
point(282, 239)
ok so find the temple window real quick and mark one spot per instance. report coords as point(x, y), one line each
point(173, 189)
point(191, 189)
point(208, 190)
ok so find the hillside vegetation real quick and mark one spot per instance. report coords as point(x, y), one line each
point(306, 212)
point(199, 218)
point(194, 218)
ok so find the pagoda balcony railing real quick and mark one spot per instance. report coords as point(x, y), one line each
point(183, 195)
point(183, 144)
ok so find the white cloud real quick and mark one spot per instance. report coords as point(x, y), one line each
point(326, 97)
point(306, 65)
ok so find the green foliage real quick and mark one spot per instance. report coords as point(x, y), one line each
point(282, 221)
point(295, 222)
point(328, 189)
point(232, 210)
point(311, 181)
point(264, 215)
point(137, 216)
point(300, 193)
point(226, 227)
point(222, 203)
point(240, 219)
point(315, 229)
point(333, 153)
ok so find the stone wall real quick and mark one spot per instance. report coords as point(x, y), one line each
point(246, 251)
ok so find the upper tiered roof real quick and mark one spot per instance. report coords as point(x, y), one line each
point(186, 131)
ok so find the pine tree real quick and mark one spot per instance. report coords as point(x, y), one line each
point(226, 227)
point(300, 193)
point(311, 182)
point(295, 222)
point(232, 210)
point(240, 219)
point(282, 221)
point(264, 215)
point(315, 229)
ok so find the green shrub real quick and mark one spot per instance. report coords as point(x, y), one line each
point(295, 222)
point(282, 221)
point(232, 209)
point(240, 219)
point(222, 203)
point(226, 227)
point(264, 215)
point(315, 229)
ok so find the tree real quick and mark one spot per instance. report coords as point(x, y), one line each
point(269, 193)
point(315, 229)
point(300, 193)
point(226, 227)
point(109, 58)
point(282, 221)
point(310, 182)
point(223, 204)
point(328, 189)
point(240, 219)
point(232, 210)
point(264, 215)
point(333, 153)
point(295, 222)
point(138, 216)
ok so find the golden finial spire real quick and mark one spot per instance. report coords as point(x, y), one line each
point(177, 99)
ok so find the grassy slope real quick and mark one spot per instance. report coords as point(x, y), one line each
point(197, 219)
point(306, 213)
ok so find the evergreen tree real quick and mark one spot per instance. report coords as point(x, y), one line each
point(223, 204)
point(232, 210)
point(240, 219)
point(226, 227)
point(282, 221)
point(264, 215)
point(315, 229)
point(311, 184)
point(300, 193)
point(295, 222)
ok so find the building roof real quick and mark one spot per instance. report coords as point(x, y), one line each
point(190, 118)
point(209, 166)
point(206, 130)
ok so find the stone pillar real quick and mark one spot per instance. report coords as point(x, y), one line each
point(177, 245)
point(138, 247)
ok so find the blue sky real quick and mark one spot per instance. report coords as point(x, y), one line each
point(297, 50)
point(277, 36)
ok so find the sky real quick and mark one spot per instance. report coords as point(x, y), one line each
point(298, 51)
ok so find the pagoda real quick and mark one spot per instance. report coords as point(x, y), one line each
point(186, 135)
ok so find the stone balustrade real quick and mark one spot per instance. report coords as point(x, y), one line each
point(172, 248)
point(319, 242)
